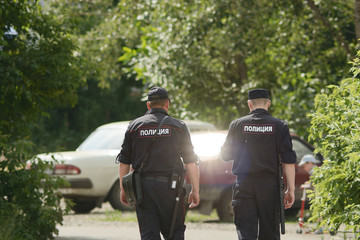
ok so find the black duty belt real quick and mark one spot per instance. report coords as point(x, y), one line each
point(156, 178)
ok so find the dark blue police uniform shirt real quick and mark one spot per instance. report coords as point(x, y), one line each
point(173, 140)
point(251, 143)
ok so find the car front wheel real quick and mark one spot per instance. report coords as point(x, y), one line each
point(83, 206)
point(224, 207)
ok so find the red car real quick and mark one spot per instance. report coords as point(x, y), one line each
point(216, 178)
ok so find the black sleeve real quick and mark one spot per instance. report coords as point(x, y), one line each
point(187, 149)
point(286, 149)
point(227, 151)
point(125, 153)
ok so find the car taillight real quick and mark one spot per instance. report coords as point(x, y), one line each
point(63, 169)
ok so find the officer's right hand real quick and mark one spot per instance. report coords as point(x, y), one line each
point(123, 198)
point(194, 199)
point(289, 199)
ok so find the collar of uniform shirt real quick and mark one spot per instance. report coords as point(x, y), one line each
point(156, 110)
point(259, 110)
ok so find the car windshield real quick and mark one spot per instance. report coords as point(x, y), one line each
point(300, 149)
point(112, 137)
point(208, 144)
point(104, 138)
point(199, 126)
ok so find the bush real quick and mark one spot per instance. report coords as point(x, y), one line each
point(335, 127)
point(38, 72)
point(29, 203)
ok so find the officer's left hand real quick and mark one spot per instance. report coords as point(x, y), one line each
point(194, 199)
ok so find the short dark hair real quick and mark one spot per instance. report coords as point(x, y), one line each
point(259, 101)
point(159, 102)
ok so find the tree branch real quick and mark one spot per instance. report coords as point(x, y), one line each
point(327, 24)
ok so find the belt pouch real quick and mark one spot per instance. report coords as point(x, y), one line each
point(132, 187)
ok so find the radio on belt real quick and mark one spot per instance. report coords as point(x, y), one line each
point(174, 180)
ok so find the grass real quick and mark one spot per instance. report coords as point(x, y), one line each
point(195, 217)
point(119, 216)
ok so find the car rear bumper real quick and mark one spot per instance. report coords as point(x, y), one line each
point(78, 187)
point(77, 183)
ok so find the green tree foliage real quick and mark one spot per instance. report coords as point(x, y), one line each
point(96, 106)
point(313, 49)
point(110, 94)
point(210, 53)
point(38, 71)
point(335, 127)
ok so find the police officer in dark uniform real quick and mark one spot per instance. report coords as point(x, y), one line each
point(254, 143)
point(172, 142)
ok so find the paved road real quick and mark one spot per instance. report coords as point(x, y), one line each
point(94, 227)
point(203, 231)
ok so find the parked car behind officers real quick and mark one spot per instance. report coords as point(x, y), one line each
point(91, 171)
point(93, 176)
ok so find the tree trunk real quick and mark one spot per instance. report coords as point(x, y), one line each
point(327, 24)
point(357, 19)
point(241, 68)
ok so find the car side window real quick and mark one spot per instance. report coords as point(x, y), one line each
point(300, 149)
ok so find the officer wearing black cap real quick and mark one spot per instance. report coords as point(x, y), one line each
point(254, 143)
point(172, 141)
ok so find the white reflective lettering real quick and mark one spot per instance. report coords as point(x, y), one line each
point(151, 132)
point(258, 128)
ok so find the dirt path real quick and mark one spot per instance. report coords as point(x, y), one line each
point(94, 227)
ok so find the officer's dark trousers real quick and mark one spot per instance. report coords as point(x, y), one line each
point(155, 212)
point(256, 208)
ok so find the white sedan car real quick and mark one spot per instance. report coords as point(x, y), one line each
point(91, 169)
